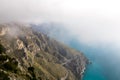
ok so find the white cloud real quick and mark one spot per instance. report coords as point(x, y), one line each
point(92, 21)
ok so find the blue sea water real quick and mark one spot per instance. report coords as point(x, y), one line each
point(104, 57)
point(104, 65)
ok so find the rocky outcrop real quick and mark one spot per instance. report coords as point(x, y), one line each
point(40, 57)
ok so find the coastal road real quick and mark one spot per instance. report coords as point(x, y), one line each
point(67, 73)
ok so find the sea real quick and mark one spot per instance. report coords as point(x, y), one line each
point(104, 58)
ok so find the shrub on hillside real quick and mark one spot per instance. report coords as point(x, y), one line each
point(2, 49)
point(4, 76)
point(11, 65)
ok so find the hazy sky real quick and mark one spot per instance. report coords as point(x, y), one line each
point(92, 21)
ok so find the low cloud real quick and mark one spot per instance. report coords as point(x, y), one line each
point(90, 21)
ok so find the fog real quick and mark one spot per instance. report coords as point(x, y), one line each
point(91, 21)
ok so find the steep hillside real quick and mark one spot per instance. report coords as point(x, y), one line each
point(54, 30)
point(30, 55)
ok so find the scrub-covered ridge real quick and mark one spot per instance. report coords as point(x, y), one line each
point(26, 54)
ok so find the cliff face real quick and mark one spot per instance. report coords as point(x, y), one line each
point(35, 56)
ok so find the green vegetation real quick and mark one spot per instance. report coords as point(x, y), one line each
point(4, 76)
point(6, 64)
point(31, 71)
point(12, 66)
point(2, 49)
point(3, 57)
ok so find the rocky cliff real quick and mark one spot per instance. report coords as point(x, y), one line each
point(29, 55)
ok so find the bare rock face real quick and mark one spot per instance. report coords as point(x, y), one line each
point(39, 57)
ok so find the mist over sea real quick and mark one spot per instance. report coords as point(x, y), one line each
point(104, 57)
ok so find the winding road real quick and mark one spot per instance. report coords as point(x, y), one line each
point(67, 73)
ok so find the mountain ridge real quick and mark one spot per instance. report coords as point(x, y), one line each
point(39, 56)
